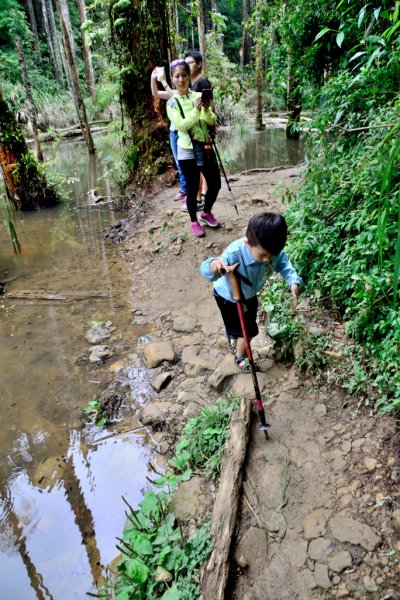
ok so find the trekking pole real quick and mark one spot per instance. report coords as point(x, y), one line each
point(237, 296)
point(223, 171)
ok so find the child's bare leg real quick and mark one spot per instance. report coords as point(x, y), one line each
point(241, 347)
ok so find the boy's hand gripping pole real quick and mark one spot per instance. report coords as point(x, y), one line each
point(237, 296)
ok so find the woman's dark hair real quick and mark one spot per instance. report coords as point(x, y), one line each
point(194, 54)
point(179, 62)
point(268, 230)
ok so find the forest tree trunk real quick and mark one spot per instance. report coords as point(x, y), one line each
point(293, 102)
point(50, 43)
point(29, 98)
point(87, 54)
point(65, 22)
point(32, 21)
point(243, 40)
point(26, 185)
point(259, 123)
point(56, 43)
point(142, 43)
point(201, 31)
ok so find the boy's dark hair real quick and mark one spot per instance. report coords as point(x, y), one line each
point(268, 230)
point(194, 54)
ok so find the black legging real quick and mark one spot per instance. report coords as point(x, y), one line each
point(192, 176)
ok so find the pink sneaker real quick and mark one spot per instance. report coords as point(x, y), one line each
point(181, 196)
point(209, 219)
point(197, 229)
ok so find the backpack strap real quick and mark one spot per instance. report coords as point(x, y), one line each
point(183, 116)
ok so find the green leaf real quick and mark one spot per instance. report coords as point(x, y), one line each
point(137, 571)
point(340, 38)
point(119, 21)
point(321, 33)
point(361, 15)
point(142, 545)
point(172, 594)
point(121, 4)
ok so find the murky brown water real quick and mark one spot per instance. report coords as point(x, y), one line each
point(61, 482)
point(244, 149)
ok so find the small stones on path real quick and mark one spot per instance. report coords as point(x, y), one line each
point(157, 352)
point(315, 523)
point(321, 575)
point(98, 333)
point(99, 353)
point(340, 561)
point(354, 532)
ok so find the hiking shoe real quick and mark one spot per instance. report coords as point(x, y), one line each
point(181, 196)
point(197, 229)
point(209, 219)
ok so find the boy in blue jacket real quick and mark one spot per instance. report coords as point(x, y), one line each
point(253, 258)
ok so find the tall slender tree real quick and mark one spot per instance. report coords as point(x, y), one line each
point(87, 54)
point(29, 98)
point(50, 41)
point(26, 185)
point(243, 39)
point(65, 21)
point(32, 22)
point(201, 32)
point(57, 46)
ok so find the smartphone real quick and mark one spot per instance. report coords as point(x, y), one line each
point(206, 94)
point(160, 73)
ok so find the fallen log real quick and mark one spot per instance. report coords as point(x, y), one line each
point(216, 571)
point(44, 295)
point(271, 169)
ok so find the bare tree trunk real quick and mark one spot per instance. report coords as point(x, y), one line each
point(49, 41)
point(243, 40)
point(259, 123)
point(32, 21)
point(87, 55)
point(220, 35)
point(26, 185)
point(56, 41)
point(29, 98)
point(65, 22)
point(293, 101)
point(201, 30)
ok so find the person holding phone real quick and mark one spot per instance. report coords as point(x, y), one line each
point(191, 115)
point(158, 74)
point(199, 83)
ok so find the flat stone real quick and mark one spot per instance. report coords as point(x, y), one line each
point(243, 385)
point(189, 501)
point(99, 353)
point(184, 323)
point(225, 369)
point(345, 529)
point(340, 561)
point(369, 583)
point(162, 380)
point(321, 576)
point(97, 333)
point(370, 463)
point(158, 352)
point(154, 412)
point(116, 366)
point(318, 549)
point(314, 524)
point(253, 549)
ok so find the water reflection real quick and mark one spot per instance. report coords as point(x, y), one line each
point(61, 485)
point(242, 148)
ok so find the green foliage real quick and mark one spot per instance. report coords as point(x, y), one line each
point(159, 560)
point(282, 326)
point(95, 412)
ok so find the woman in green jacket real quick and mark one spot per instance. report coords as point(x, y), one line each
point(190, 112)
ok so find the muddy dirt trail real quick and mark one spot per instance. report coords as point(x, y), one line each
point(319, 512)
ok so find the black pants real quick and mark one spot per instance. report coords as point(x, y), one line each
point(192, 176)
point(230, 316)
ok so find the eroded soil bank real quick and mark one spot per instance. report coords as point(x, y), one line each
point(319, 514)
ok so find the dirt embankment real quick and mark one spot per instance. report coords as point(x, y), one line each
point(319, 514)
